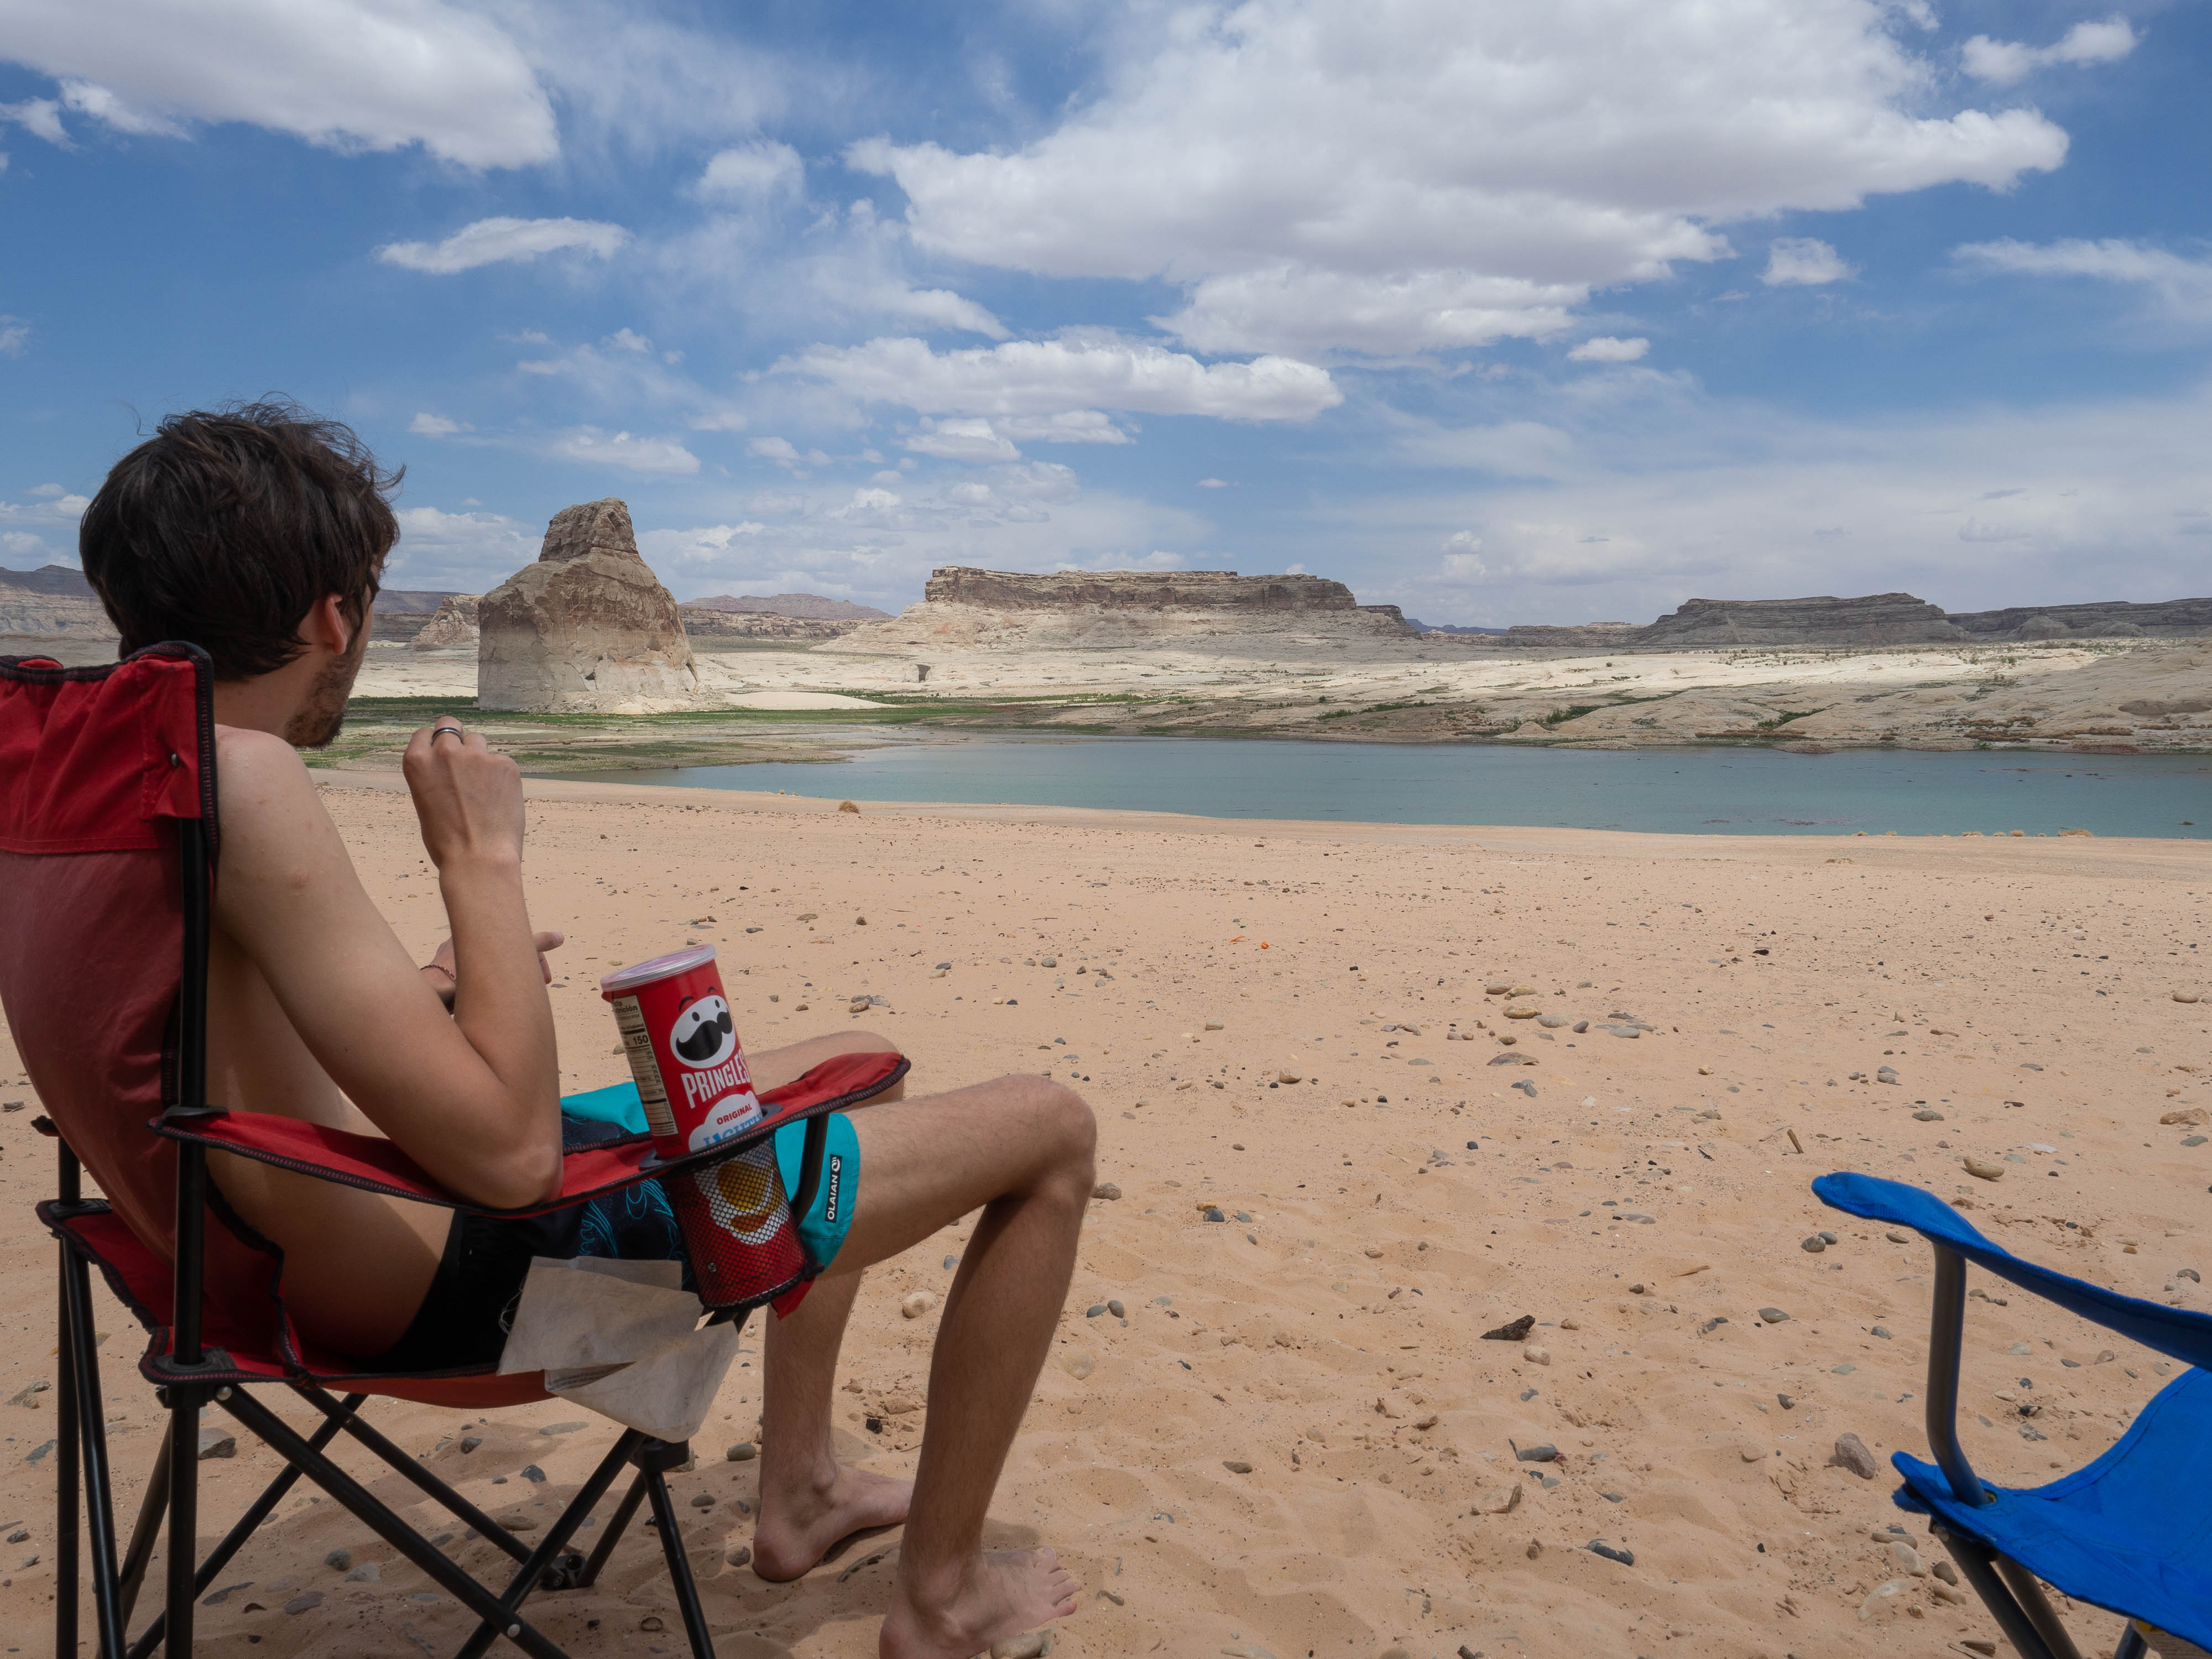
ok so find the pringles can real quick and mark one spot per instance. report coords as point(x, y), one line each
point(682, 1043)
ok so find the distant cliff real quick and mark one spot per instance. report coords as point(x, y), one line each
point(812, 607)
point(2113, 619)
point(1007, 610)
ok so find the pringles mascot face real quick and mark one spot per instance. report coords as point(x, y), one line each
point(703, 1034)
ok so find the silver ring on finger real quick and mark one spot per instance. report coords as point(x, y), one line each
point(438, 732)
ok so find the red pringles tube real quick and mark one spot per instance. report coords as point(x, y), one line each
point(682, 1042)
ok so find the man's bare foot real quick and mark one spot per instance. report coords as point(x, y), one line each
point(795, 1531)
point(1003, 1593)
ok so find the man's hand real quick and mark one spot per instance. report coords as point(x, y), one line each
point(468, 799)
point(441, 963)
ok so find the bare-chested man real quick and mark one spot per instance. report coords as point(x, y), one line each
point(260, 533)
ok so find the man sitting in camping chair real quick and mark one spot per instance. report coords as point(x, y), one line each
point(259, 534)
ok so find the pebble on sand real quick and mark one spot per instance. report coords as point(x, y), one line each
point(916, 1303)
point(1772, 1315)
point(1851, 1453)
point(1516, 1331)
point(1033, 1644)
point(744, 1452)
point(740, 1557)
point(1537, 1356)
point(1988, 1169)
point(1236, 1466)
point(1106, 1190)
point(1498, 1500)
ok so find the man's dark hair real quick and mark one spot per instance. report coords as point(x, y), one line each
point(227, 525)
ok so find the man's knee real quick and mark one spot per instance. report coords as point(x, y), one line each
point(1064, 1124)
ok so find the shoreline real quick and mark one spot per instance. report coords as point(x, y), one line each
point(1562, 840)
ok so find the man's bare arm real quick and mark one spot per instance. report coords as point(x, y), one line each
point(473, 1098)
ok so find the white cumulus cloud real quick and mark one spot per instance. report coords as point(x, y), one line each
point(2002, 62)
point(750, 172)
point(350, 74)
point(1319, 177)
point(1049, 377)
point(1606, 349)
point(1802, 261)
point(15, 335)
point(962, 441)
point(40, 117)
point(427, 425)
point(622, 449)
point(491, 241)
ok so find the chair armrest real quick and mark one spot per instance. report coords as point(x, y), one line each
point(2175, 1332)
point(374, 1164)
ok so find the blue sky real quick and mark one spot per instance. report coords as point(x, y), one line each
point(1526, 312)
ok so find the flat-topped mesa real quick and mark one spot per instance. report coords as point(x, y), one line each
point(2106, 619)
point(586, 629)
point(1072, 609)
point(1872, 619)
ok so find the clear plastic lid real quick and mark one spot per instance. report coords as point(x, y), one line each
point(668, 967)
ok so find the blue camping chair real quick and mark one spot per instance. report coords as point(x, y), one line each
point(2131, 1531)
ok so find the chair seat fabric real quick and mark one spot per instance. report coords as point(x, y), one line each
point(2131, 1531)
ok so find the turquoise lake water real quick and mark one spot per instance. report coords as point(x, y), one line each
point(1716, 791)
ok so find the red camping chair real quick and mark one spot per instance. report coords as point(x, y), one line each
point(107, 839)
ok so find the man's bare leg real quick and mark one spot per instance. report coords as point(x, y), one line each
point(1019, 1149)
point(807, 1501)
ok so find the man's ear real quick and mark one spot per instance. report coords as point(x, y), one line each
point(325, 626)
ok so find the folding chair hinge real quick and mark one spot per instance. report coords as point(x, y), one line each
point(212, 1361)
point(659, 1456)
point(70, 1209)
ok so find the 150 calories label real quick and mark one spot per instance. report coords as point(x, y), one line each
point(637, 1045)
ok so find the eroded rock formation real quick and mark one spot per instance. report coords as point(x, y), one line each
point(588, 627)
point(1069, 609)
point(453, 623)
point(704, 625)
point(813, 607)
point(51, 600)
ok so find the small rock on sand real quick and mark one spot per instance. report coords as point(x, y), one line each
point(1031, 1645)
point(1537, 1356)
point(740, 1557)
point(1106, 1190)
point(744, 1452)
point(1814, 1245)
point(916, 1303)
point(1772, 1315)
point(1498, 1500)
point(215, 1441)
point(1236, 1466)
point(1851, 1454)
point(1988, 1169)
point(1516, 1331)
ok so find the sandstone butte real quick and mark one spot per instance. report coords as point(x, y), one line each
point(586, 629)
point(997, 609)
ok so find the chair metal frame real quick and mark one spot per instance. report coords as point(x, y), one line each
point(2012, 1594)
point(190, 1383)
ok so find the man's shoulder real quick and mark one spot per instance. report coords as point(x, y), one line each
point(256, 769)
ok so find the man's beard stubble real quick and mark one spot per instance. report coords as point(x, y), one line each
point(322, 717)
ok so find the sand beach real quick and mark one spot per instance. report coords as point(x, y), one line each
point(1282, 1431)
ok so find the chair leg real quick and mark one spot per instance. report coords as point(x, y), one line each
point(2038, 1607)
point(183, 1451)
point(66, 1477)
point(147, 1528)
point(679, 1567)
point(617, 1525)
point(92, 1442)
point(2132, 1645)
point(459, 1507)
point(234, 1539)
point(527, 1577)
point(1978, 1563)
point(371, 1512)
